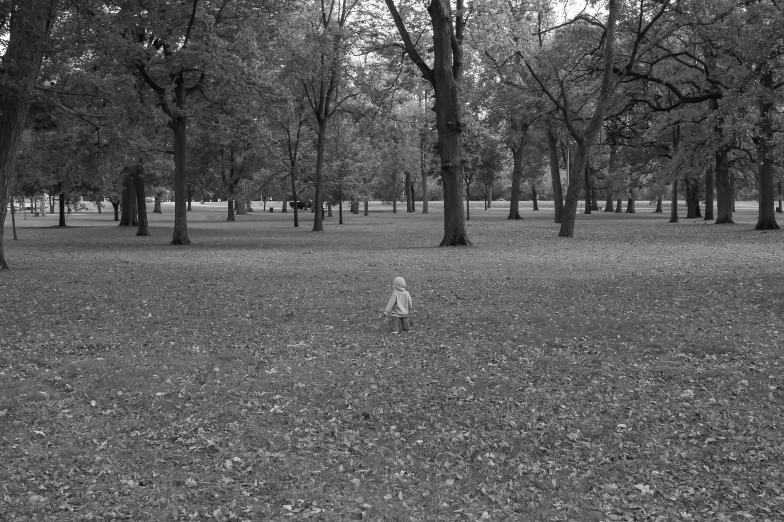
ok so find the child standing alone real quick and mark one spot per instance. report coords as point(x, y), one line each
point(399, 306)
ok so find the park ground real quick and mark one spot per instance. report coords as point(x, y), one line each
point(631, 373)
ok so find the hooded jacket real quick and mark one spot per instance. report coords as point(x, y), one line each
point(399, 304)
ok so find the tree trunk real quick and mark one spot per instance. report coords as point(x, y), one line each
point(517, 175)
point(413, 199)
point(766, 219)
point(157, 208)
point(141, 204)
point(674, 206)
point(230, 207)
point(587, 175)
point(630, 205)
point(489, 193)
point(445, 77)
point(619, 206)
point(690, 199)
point(293, 176)
point(423, 170)
point(129, 210)
point(340, 209)
point(61, 223)
point(659, 209)
point(724, 199)
point(179, 127)
point(190, 198)
point(318, 219)
point(366, 207)
point(709, 194)
point(587, 137)
point(555, 174)
point(468, 201)
point(446, 73)
point(408, 187)
point(535, 197)
point(116, 206)
point(28, 34)
point(608, 204)
point(13, 218)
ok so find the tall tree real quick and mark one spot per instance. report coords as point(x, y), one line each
point(445, 75)
point(29, 26)
point(321, 88)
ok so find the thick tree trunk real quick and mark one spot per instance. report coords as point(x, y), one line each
point(61, 222)
point(766, 219)
point(141, 204)
point(619, 206)
point(608, 204)
point(517, 175)
point(129, 210)
point(555, 174)
point(724, 196)
point(709, 194)
point(230, 208)
point(28, 31)
point(179, 127)
point(116, 207)
point(630, 205)
point(446, 73)
point(573, 193)
point(659, 209)
point(535, 197)
point(691, 198)
point(674, 205)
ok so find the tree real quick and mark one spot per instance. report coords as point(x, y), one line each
point(29, 26)
point(323, 81)
point(445, 76)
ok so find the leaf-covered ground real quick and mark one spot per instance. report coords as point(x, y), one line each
point(632, 373)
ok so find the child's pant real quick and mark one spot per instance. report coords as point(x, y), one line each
point(397, 324)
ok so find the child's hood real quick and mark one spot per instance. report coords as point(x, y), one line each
point(399, 284)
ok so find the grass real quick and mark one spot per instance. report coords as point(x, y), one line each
point(630, 373)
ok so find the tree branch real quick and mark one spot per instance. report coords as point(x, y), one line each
point(427, 73)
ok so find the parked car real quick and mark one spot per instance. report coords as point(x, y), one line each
point(302, 204)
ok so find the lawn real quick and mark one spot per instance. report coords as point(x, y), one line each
point(631, 373)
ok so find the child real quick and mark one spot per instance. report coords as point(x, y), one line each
point(399, 306)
